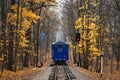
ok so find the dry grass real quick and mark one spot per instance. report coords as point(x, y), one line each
point(106, 73)
point(22, 74)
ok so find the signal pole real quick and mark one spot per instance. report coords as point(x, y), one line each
point(101, 63)
point(77, 42)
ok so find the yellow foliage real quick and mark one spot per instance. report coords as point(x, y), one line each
point(25, 1)
point(107, 30)
point(88, 30)
point(94, 4)
point(94, 51)
point(31, 15)
point(2, 58)
point(82, 25)
point(93, 40)
point(26, 24)
point(78, 21)
point(81, 51)
point(80, 45)
point(1, 44)
point(11, 18)
point(23, 41)
point(36, 1)
point(78, 27)
point(14, 7)
point(107, 40)
point(84, 6)
point(71, 45)
point(28, 18)
point(92, 26)
point(94, 18)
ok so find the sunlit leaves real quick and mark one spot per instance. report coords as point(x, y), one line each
point(78, 23)
point(24, 42)
point(2, 58)
point(38, 1)
point(14, 7)
point(26, 0)
point(25, 19)
point(35, 1)
point(88, 33)
point(31, 15)
point(86, 4)
point(71, 45)
point(1, 44)
point(94, 4)
point(26, 24)
point(27, 16)
point(11, 18)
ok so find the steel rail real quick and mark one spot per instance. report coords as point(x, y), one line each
point(67, 73)
point(62, 73)
point(55, 75)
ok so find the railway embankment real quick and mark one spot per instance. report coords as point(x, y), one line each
point(85, 74)
point(24, 74)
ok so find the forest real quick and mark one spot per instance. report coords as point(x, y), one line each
point(22, 23)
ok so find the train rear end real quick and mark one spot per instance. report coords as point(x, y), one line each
point(60, 52)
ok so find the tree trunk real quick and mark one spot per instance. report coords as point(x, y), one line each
point(97, 66)
point(2, 66)
point(74, 56)
point(118, 64)
point(38, 39)
point(10, 48)
point(91, 65)
point(12, 2)
point(3, 28)
point(118, 56)
point(112, 64)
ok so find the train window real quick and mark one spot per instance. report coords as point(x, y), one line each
point(60, 48)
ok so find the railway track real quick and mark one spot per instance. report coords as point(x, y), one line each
point(61, 73)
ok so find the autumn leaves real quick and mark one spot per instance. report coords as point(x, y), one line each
point(88, 26)
point(25, 20)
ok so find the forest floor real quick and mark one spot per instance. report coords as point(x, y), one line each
point(27, 73)
point(24, 74)
point(105, 76)
point(106, 73)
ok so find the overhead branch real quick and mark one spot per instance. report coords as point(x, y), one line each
point(42, 4)
point(117, 4)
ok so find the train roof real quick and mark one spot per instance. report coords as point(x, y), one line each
point(59, 42)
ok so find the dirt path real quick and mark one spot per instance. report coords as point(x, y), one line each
point(79, 75)
point(43, 75)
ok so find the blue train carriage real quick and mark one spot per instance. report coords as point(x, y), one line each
point(60, 52)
